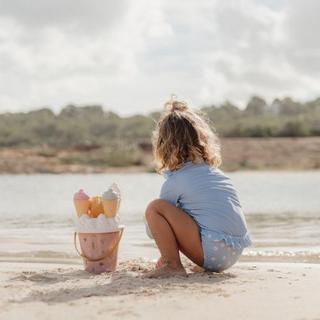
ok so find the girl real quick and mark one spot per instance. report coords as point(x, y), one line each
point(198, 212)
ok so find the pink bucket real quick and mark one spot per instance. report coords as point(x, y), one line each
point(99, 251)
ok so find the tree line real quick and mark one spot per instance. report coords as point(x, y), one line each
point(90, 127)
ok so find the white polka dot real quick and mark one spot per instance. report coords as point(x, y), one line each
point(215, 248)
point(213, 259)
point(224, 258)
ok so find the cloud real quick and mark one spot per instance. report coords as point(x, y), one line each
point(80, 14)
point(131, 55)
point(303, 39)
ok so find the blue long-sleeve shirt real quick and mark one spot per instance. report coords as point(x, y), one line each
point(209, 197)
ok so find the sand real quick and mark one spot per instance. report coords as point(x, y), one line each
point(246, 291)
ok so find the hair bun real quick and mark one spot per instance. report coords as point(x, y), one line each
point(174, 105)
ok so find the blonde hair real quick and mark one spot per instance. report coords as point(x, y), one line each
point(182, 135)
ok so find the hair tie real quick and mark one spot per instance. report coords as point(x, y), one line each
point(174, 105)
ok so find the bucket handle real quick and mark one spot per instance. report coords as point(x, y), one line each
point(101, 258)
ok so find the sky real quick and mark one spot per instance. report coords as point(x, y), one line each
point(131, 55)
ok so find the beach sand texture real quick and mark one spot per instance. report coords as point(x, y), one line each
point(42, 278)
point(246, 291)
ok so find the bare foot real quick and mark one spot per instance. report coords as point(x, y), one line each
point(166, 271)
point(197, 269)
point(160, 263)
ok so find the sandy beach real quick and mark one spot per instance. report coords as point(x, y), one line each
point(41, 277)
point(135, 134)
point(246, 291)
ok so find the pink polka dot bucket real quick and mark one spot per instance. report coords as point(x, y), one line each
point(99, 251)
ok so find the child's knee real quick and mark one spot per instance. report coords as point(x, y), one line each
point(149, 211)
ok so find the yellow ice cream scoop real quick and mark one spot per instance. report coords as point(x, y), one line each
point(96, 207)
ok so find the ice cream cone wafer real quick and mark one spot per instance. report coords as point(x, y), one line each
point(111, 201)
point(81, 202)
point(110, 207)
point(82, 207)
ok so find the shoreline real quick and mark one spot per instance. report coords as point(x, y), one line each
point(133, 171)
point(144, 169)
point(249, 256)
point(248, 290)
point(238, 154)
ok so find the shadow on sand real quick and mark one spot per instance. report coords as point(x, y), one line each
point(66, 285)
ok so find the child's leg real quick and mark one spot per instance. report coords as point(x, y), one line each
point(172, 230)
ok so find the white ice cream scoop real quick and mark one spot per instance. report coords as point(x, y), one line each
point(112, 193)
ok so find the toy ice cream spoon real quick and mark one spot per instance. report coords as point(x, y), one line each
point(81, 202)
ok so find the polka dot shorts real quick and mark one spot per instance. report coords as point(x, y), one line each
point(218, 256)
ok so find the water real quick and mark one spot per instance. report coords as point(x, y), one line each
point(36, 214)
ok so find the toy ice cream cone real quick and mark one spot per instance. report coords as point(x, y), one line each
point(96, 207)
point(99, 234)
point(81, 202)
point(111, 201)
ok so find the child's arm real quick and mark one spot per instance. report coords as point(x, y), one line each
point(170, 191)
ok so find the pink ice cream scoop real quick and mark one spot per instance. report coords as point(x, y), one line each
point(81, 202)
point(80, 195)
